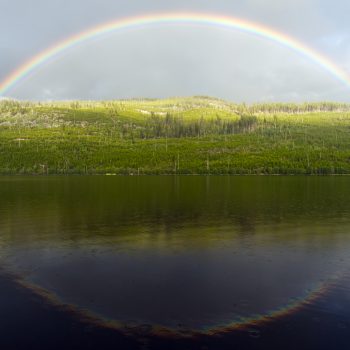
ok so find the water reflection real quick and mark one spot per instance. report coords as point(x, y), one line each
point(198, 253)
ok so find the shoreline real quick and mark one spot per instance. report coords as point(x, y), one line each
point(171, 175)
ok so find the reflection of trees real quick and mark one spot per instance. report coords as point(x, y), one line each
point(246, 224)
point(106, 207)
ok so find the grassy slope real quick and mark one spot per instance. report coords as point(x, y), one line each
point(119, 137)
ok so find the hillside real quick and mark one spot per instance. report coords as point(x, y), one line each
point(198, 135)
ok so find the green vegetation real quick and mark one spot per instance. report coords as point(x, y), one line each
point(198, 135)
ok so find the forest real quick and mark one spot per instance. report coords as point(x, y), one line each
point(192, 135)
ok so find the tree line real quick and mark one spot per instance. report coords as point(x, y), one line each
point(177, 127)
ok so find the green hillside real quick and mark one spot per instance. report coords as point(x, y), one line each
point(198, 135)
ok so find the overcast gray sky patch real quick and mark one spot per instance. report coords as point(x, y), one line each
point(179, 59)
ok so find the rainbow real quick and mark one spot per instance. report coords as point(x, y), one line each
point(228, 22)
point(244, 323)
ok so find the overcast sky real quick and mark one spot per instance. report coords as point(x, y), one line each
point(178, 59)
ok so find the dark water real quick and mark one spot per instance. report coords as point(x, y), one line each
point(177, 262)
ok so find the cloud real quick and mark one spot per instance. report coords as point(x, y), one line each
point(180, 61)
point(163, 61)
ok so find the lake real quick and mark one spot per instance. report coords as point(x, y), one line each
point(177, 262)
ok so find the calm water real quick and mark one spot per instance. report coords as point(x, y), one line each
point(183, 257)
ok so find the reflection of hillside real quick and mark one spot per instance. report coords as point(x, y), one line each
point(166, 208)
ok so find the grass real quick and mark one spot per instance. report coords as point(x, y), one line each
point(198, 135)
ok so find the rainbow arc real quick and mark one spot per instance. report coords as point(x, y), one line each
point(229, 22)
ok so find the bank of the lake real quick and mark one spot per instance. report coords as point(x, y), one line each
point(175, 136)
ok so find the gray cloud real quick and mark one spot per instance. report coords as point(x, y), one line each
point(175, 60)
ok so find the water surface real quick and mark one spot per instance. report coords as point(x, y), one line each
point(202, 254)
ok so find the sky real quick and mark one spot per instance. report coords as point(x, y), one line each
point(161, 61)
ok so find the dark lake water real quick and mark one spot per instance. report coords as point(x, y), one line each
point(176, 262)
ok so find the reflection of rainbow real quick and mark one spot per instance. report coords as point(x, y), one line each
point(292, 307)
point(186, 18)
point(157, 330)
